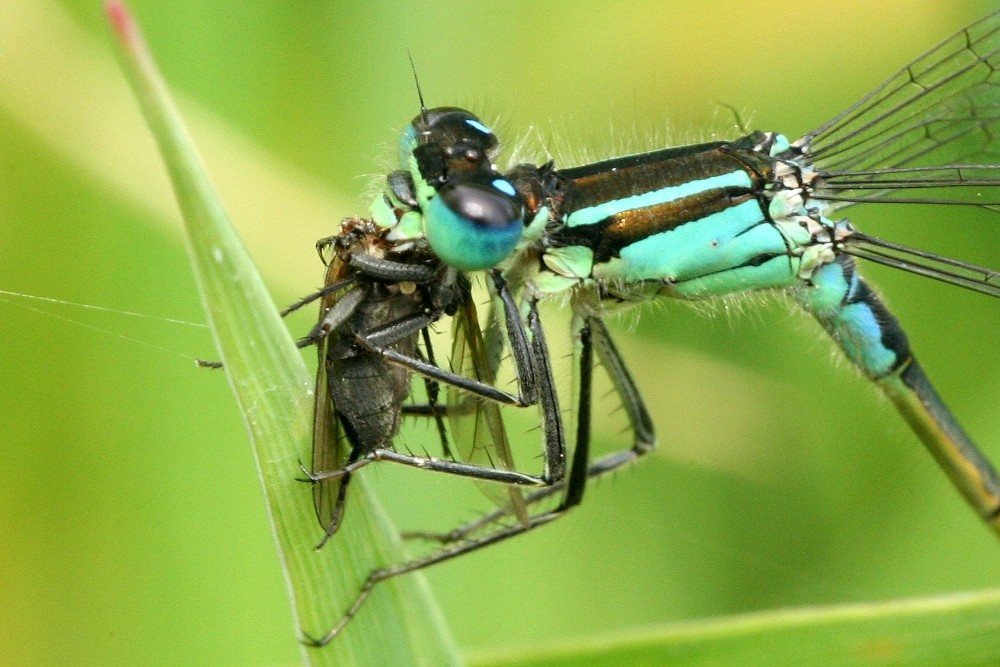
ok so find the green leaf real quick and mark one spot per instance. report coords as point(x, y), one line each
point(956, 629)
point(400, 624)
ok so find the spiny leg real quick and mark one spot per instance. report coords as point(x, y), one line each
point(432, 389)
point(640, 423)
point(533, 370)
point(573, 486)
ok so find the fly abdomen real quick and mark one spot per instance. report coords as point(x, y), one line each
point(369, 392)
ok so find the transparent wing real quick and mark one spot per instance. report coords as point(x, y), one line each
point(930, 133)
point(477, 427)
point(947, 270)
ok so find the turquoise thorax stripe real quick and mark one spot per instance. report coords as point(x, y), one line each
point(732, 247)
point(594, 214)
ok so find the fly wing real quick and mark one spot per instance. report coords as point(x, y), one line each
point(930, 133)
point(477, 425)
point(330, 449)
point(328, 454)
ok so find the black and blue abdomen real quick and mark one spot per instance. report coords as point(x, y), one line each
point(856, 318)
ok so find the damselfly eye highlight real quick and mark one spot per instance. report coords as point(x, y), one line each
point(448, 129)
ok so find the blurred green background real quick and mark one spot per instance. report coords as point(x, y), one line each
point(132, 528)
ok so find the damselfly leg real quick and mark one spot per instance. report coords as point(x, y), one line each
point(592, 336)
point(496, 526)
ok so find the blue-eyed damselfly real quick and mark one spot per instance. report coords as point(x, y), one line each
point(726, 217)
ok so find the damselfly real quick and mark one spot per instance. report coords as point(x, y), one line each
point(711, 220)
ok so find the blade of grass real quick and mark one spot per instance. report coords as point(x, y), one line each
point(954, 629)
point(400, 625)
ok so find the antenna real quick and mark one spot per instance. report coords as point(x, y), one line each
point(416, 82)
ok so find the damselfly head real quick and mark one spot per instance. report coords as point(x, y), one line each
point(472, 216)
point(448, 140)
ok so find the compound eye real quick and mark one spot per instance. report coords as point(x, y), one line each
point(476, 223)
point(447, 126)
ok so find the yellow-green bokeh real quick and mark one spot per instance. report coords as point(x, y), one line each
point(133, 529)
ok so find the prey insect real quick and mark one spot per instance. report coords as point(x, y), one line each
point(376, 308)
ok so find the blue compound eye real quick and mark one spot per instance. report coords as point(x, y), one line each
point(474, 224)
